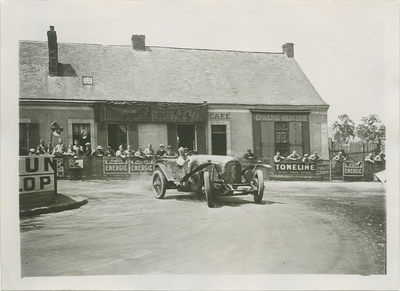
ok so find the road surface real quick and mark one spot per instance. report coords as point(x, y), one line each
point(299, 228)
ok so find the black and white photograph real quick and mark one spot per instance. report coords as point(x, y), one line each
point(187, 145)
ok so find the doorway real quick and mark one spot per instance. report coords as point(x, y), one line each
point(218, 139)
point(186, 136)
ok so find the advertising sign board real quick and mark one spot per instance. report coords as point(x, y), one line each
point(36, 174)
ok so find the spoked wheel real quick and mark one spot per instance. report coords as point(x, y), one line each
point(159, 184)
point(196, 180)
point(258, 182)
point(208, 190)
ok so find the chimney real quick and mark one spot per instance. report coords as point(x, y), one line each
point(138, 42)
point(53, 52)
point(288, 50)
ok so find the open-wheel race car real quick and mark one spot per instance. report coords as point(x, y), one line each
point(215, 175)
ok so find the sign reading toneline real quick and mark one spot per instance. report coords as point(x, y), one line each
point(295, 167)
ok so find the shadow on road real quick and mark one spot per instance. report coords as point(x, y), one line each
point(229, 201)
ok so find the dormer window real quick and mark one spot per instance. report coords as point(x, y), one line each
point(87, 80)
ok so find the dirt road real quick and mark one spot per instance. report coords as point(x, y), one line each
point(300, 228)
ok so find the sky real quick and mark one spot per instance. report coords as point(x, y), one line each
point(346, 49)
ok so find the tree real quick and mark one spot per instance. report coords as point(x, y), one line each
point(344, 129)
point(372, 130)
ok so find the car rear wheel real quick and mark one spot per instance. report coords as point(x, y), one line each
point(159, 184)
point(258, 182)
point(196, 180)
point(208, 190)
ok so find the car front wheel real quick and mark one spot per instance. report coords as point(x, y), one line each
point(159, 184)
point(208, 190)
point(196, 180)
point(258, 182)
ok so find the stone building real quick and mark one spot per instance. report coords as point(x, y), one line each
point(213, 101)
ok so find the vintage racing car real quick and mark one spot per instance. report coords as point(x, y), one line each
point(217, 175)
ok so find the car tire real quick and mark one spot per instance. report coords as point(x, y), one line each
point(196, 180)
point(159, 184)
point(258, 181)
point(208, 190)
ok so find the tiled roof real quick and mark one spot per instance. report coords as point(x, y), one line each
point(165, 74)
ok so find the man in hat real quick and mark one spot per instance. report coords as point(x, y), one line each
point(99, 152)
point(161, 151)
point(170, 153)
point(109, 152)
point(32, 152)
point(249, 155)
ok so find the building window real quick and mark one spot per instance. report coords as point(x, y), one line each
point(28, 137)
point(81, 133)
point(218, 139)
point(86, 80)
point(281, 138)
point(117, 135)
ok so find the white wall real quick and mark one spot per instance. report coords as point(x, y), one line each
point(152, 133)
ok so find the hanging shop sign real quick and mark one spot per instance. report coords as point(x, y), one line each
point(151, 112)
point(353, 169)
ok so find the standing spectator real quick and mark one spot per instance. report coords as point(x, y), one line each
point(98, 152)
point(88, 150)
point(78, 148)
point(129, 151)
point(294, 156)
point(249, 155)
point(170, 153)
point(370, 158)
point(339, 159)
point(41, 148)
point(59, 149)
point(71, 151)
point(140, 153)
point(314, 157)
point(306, 159)
point(161, 151)
point(149, 151)
point(278, 158)
point(109, 152)
point(49, 148)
